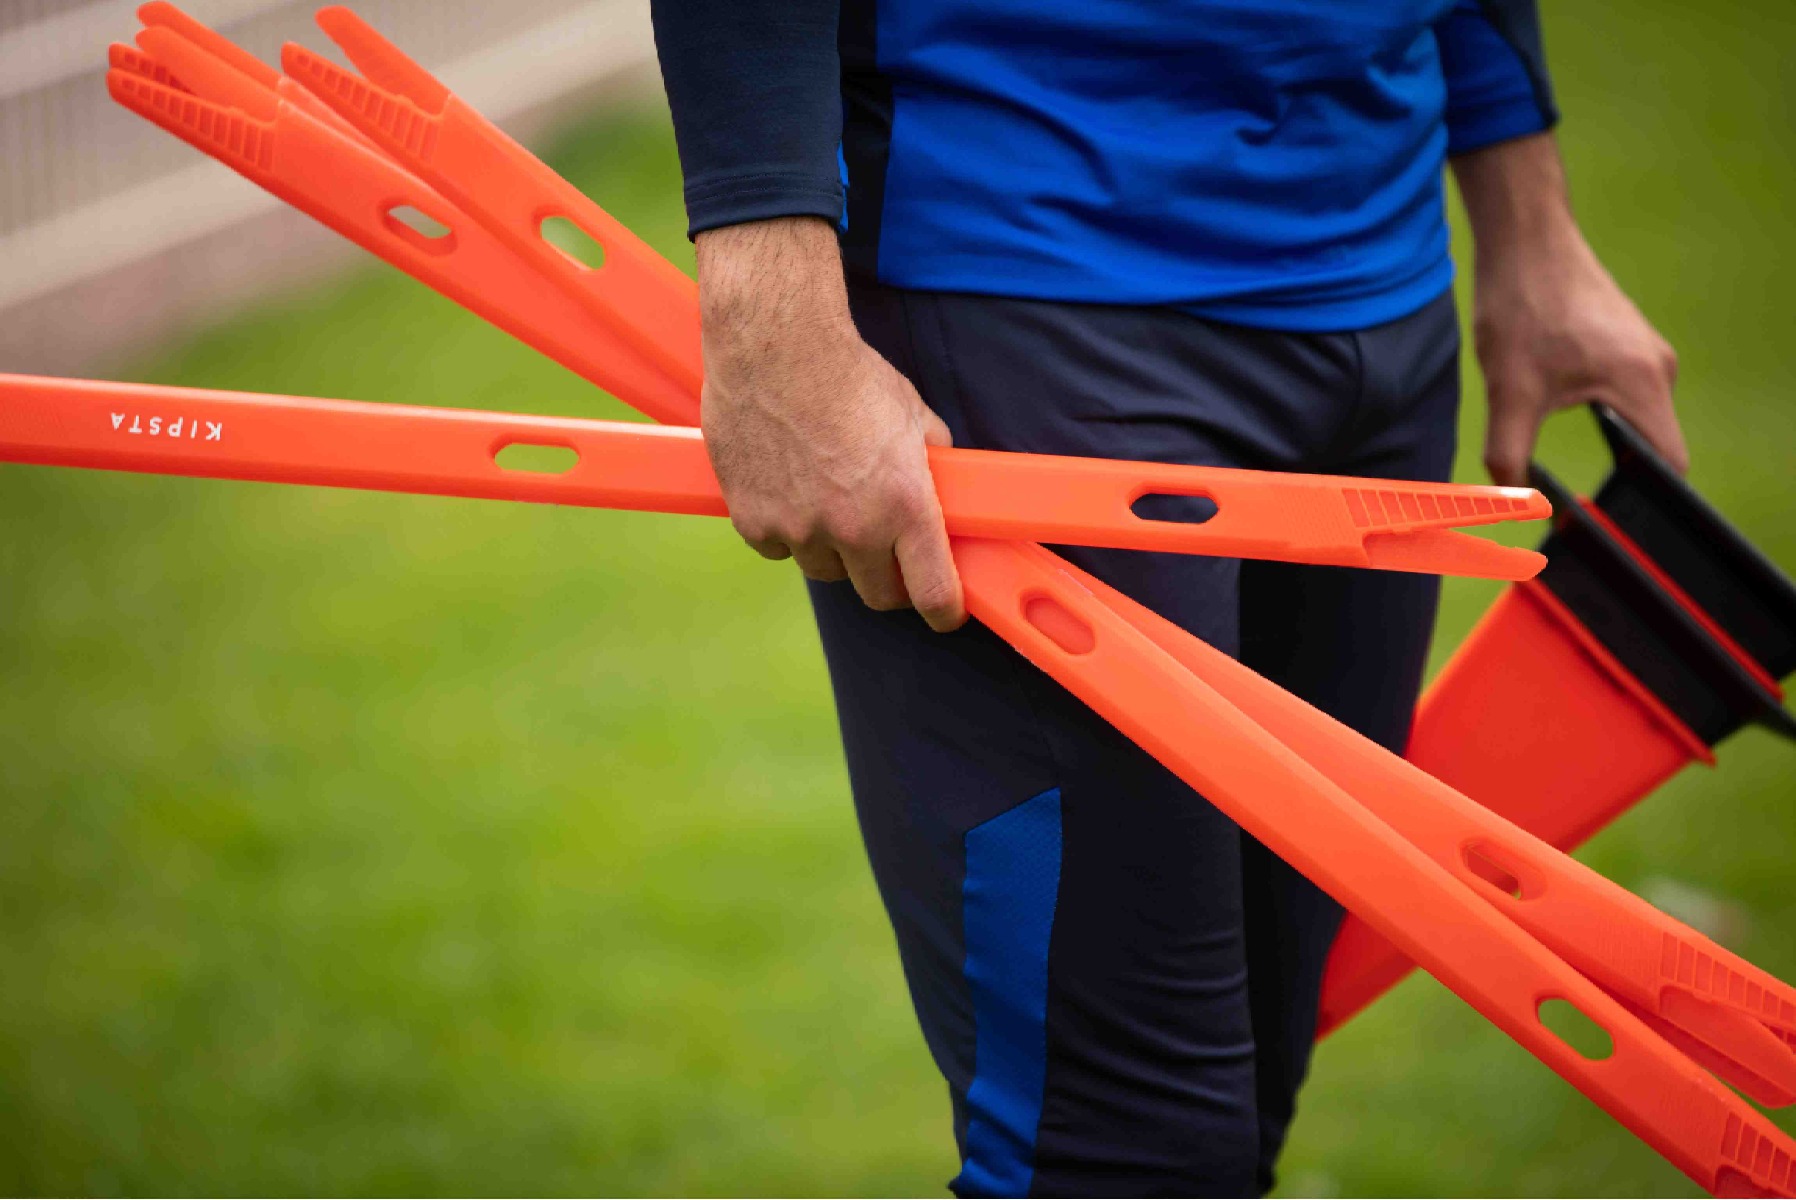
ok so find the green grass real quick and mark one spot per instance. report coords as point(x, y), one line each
point(369, 844)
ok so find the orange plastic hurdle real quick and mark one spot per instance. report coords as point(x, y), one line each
point(1439, 914)
point(1609, 675)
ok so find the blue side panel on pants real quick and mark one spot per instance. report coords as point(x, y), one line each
point(1013, 877)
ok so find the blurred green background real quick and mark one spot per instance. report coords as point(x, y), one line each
point(363, 844)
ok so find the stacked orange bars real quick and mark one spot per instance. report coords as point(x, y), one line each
point(1408, 855)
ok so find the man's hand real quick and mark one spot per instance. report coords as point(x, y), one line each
point(1552, 329)
point(819, 443)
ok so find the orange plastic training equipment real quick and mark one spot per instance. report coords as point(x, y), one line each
point(355, 191)
point(1581, 692)
point(433, 133)
point(1427, 908)
point(455, 452)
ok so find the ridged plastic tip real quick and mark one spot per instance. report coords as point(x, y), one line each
point(380, 60)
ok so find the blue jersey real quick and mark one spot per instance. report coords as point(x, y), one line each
point(1274, 163)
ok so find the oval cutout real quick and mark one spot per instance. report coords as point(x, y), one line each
point(1060, 625)
point(576, 245)
point(1174, 508)
point(1482, 863)
point(537, 459)
point(1567, 1022)
point(418, 227)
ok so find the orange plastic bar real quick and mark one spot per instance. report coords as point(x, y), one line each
point(433, 133)
point(438, 451)
point(356, 191)
point(1097, 644)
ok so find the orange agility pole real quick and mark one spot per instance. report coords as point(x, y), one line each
point(1651, 1087)
point(1608, 674)
point(984, 493)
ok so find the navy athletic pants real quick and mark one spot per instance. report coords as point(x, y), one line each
point(1119, 985)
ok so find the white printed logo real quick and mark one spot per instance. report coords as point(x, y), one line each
point(188, 427)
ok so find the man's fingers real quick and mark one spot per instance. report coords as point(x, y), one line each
point(820, 563)
point(935, 430)
point(877, 579)
point(929, 573)
point(1509, 440)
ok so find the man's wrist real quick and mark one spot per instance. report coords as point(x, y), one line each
point(773, 280)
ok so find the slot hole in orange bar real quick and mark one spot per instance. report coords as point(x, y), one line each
point(1479, 860)
point(536, 459)
point(417, 227)
point(1174, 508)
point(1573, 1026)
point(1059, 624)
point(576, 245)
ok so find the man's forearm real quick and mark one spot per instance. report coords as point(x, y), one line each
point(1516, 199)
point(1552, 328)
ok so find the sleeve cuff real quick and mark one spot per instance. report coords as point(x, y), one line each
point(1475, 128)
point(714, 203)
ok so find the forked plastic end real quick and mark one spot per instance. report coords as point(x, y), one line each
point(380, 115)
point(1449, 552)
point(130, 59)
point(379, 60)
point(208, 76)
point(224, 133)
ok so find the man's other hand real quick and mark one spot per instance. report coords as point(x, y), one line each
point(1552, 329)
point(819, 443)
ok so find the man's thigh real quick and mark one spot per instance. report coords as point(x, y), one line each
point(1070, 915)
point(1354, 644)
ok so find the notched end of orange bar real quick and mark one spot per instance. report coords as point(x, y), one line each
point(225, 133)
point(1449, 552)
point(380, 61)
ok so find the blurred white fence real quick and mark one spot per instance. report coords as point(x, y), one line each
point(112, 231)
